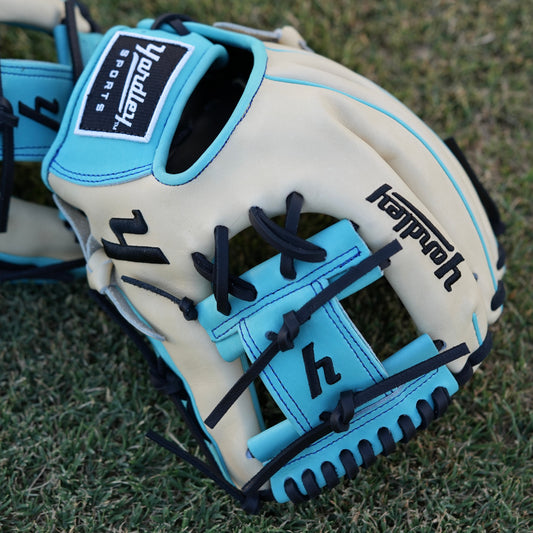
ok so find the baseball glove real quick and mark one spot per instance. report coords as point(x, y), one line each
point(34, 242)
point(178, 137)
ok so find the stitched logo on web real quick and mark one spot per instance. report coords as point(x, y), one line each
point(129, 86)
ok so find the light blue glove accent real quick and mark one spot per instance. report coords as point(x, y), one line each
point(124, 159)
point(270, 442)
point(24, 81)
point(87, 41)
point(38, 92)
point(383, 412)
point(330, 330)
point(329, 356)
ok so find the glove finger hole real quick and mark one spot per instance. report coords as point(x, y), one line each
point(208, 109)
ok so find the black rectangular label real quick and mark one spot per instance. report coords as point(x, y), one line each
point(126, 93)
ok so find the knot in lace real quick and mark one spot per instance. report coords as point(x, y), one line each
point(187, 307)
point(339, 419)
point(287, 333)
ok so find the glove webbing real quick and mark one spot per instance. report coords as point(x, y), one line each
point(284, 339)
point(338, 420)
point(250, 496)
point(441, 400)
point(289, 245)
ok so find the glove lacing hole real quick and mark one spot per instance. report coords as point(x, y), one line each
point(367, 453)
point(426, 413)
point(387, 440)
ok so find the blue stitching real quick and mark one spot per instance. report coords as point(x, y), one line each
point(15, 71)
point(245, 325)
point(114, 175)
point(30, 147)
point(61, 78)
point(25, 65)
point(28, 154)
point(356, 341)
point(255, 304)
point(22, 152)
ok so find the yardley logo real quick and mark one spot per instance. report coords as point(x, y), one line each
point(129, 86)
point(134, 94)
point(410, 223)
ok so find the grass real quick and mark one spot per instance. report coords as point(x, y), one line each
point(75, 399)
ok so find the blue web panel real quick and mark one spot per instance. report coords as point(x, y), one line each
point(329, 356)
